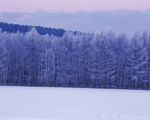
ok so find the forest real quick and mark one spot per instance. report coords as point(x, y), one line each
point(88, 60)
point(14, 28)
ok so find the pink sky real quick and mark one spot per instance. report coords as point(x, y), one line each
point(71, 5)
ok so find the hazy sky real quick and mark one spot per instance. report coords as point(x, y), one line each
point(71, 5)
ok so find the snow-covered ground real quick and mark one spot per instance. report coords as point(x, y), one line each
point(27, 103)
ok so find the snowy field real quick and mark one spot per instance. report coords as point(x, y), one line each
point(25, 103)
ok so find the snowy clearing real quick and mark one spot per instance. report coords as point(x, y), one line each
point(27, 103)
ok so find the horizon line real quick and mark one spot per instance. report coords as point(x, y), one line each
point(75, 11)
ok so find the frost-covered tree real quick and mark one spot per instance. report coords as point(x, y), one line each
point(120, 45)
point(85, 60)
point(3, 60)
point(75, 60)
point(137, 59)
point(146, 46)
point(103, 65)
point(33, 55)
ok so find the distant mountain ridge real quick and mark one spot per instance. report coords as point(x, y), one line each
point(119, 21)
point(13, 28)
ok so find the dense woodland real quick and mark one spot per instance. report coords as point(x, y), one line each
point(101, 60)
point(13, 28)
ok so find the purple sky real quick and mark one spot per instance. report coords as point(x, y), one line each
point(71, 5)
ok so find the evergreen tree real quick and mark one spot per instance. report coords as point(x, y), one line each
point(137, 58)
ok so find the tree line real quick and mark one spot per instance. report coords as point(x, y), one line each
point(13, 28)
point(102, 60)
